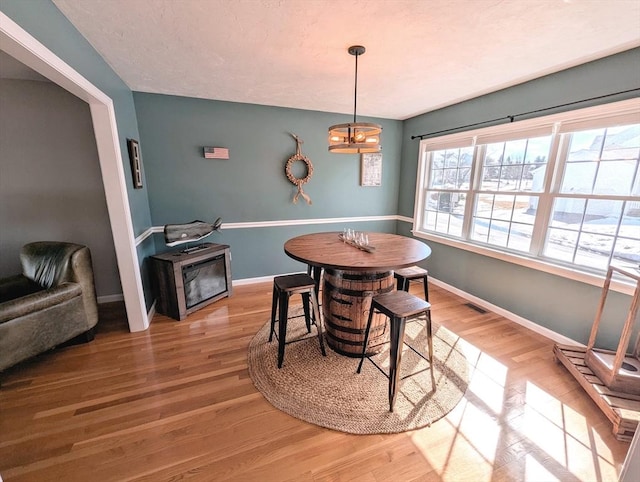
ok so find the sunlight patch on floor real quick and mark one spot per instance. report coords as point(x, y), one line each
point(534, 471)
point(490, 392)
point(522, 429)
point(564, 435)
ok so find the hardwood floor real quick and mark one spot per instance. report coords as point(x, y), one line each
point(176, 402)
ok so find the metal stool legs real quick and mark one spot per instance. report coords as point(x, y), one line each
point(404, 277)
point(399, 306)
point(283, 288)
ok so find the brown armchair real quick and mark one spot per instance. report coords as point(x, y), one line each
point(51, 302)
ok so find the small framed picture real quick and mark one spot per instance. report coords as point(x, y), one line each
point(371, 169)
point(136, 162)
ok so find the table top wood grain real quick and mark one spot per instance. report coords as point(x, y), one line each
point(327, 250)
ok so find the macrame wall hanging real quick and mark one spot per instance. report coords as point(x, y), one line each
point(299, 182)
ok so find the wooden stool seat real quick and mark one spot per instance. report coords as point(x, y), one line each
point(412, 273)
point(283, 288)
point(399, 306)
point(294, 283)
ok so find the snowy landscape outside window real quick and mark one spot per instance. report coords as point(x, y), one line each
point(564, 189)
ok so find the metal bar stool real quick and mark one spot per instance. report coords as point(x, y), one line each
point(283, 288)
point(316, 273)
point(399, 306)
point(406, 275)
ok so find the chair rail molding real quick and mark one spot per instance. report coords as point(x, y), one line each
point(285, 222)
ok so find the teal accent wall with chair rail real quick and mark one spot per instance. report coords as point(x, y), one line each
point(180, 185)
point(251, 186)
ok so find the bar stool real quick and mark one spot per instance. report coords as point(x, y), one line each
point(316, 273)
point(399, 306)
point(283, 288)
point(406, 275)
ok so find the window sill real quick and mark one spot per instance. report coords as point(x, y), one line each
point(537, 264)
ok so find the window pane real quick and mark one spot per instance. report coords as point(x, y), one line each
point(480, 230)
point(503, 207)
point(586, 145)
point(446, 201)
point(602, 161)
point(602, 216)
point(514, 152)
point(510, 177)
point(622, 143)
point(443, 223)
point(615, 177)
point(444, 212)
point(484, 206)
point(590, 227)
point(511, 166)
point(503, 220)
point(568, 212)
point(561, 244)
point(578, 177)
point(437, 178)
point(628, 249)
point(520, 237)
point(450, 168)
point(498, 233)
point(630, 225)
point(450, 179)
point(594, 250)
point(538, 150)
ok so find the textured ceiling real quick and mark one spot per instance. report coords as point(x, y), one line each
point(421, 54)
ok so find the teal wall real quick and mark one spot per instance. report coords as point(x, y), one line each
point(564, 306)
point(251, 185)
point(180, 185)
point(42, 20)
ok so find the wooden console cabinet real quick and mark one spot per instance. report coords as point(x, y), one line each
point(184, 282)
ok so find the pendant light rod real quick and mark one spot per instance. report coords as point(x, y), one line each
point(355, 92)
point(356, 50)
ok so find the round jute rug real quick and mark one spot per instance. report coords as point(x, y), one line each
point(327, 391)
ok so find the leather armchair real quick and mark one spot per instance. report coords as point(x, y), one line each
point(51, 302)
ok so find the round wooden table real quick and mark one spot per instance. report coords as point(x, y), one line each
point(351, 278)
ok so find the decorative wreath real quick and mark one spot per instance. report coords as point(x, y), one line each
point(298, 182)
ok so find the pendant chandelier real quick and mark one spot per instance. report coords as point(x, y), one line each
point(355, 137)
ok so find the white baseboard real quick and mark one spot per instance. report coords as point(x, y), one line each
point(546, 332)
point(261, 279)
point(152, 311)
point(250, 281)
point(110, 298)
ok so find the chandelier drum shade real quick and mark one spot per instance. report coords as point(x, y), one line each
point(355, 137)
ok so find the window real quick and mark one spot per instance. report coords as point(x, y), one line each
point(563, 189)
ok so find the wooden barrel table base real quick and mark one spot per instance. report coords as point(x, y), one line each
point(346, 301)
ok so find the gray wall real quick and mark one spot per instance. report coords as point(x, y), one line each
point(42, 20)
point(50, 181)
point(251, 186)
point(564, 306)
